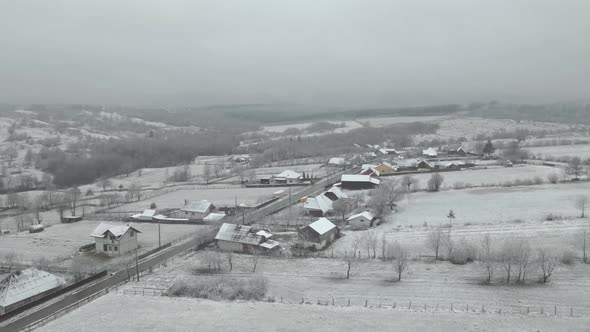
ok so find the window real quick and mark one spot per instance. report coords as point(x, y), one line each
point(131, 233)
point(104, 247)
point(116, 248)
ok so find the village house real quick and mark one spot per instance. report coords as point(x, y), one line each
point(194, 210)
point(286, 177)
point(356, 182)
point(240, 238)
point(424, 165)
point(385, 168)
point(318, 206)
point(361, 220)
point(25, 286)
point(318, 235)
point(115, 240)
point(430, 153)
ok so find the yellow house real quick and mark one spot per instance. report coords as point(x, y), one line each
point(386, 168)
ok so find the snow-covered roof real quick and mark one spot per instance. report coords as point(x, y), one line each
point(337, 161)
point(214, 217)
point(237, 233)
point(264, 233)
point(322, 226)
point(197, 206)
point(269, 244)
point(116, 230)
point(337, 192)
point(148, 213)
point(366, 214)
point(288, 174)
point(407, 162)
point(388, 151)
point(388, 165)
point(163, 217)
point(430, 152)
point(23, 284)
point(320, 202)
point(359, 178)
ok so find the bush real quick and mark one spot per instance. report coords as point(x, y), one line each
point(568, 258)
point(463, 253)
point(553, 178)
point(221, 289)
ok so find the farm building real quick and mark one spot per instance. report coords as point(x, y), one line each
point(194, 210)
point(388, 152)
point(25, 286)
point(239, 238)
point(385, 168)
point(36, 228)
point(337, 161)
point(286, 177)
point(146, 215)
point(214, 217)
point(318, 206)
point(319, 234)
point(361, 220)
point(335, 193)
point(423, 164)
point(355, 182)
point(430, 152)
point(70, 219)
point(370, 170)
point(115, 240)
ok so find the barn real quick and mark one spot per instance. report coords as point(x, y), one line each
point(319, 234)
point(356, 182)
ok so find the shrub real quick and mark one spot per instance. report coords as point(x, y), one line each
point(568, 258)
point(221, 289)
point(553, 178)
point(463, 253)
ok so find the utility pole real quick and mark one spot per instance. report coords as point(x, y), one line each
point(290, 210)
point(136, 265)
point(159, 235)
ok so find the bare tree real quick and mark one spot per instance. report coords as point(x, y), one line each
point(349, 262)
point(391, 191)
point(218, 169)
point(355, 245)
point(408, 181)
point(38, 207)
point(487, 256)
point(371, 241)
point(401, 261)
point(378, 204)
point(581, 202)
point(240, 172)
point(73, 195)
point(575, 168)
point(547, 263)
point(255, 252)
point(523, 259)
point(229, 258)
point(206, 173)
point(341, 207)
point(9, 259)
point(435, 182)
point(105, 183)
point(509, 257)
point(134, 191)
point(584, 252)
point(434, 241)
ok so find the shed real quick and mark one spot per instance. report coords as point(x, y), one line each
point(319, 234)
point(318, 206)
point(355, 182)
point(361, 220)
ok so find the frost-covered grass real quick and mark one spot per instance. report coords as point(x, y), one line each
point(490, 176)
point(561, 151)
point(113, 312)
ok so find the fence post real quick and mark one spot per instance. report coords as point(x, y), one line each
point(332, 301)
point(541, 310)
point(467, 306)
point(366, 303)
point(571, 311)
point(451, 307)
point(394, 304)
point(528, 310)
point(555, 310)
point(410, 306)
point(482, 308)
point(349, 302)
point(302, 301)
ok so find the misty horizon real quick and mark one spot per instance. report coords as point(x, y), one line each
point(329, 54)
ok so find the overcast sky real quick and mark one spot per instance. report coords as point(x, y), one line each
point(321, 52)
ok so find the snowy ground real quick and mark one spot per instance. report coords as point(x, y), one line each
point(490, 176)
point(561, 151)
point(136, 313)
point(222, 195)
point(62, 240)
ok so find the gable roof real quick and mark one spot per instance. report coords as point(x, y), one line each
point(197, 206)
point(117, 230)
point(321, 203)
point(337, 192)
point(366, 214)
point(23, 284)
point(430, 152)
point(214, 217)
point(358, 178)
point(238, 233)
point(322, 226)
point(288, 174)
point(337, 161)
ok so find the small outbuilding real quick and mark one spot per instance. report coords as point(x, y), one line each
point(335, 194)
point(318, 206)
point(146, 215)
point(356, 182)
point(361, 220)
point(240, 238)
point(194, 210)
point(319, 234)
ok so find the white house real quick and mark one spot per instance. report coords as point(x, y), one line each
point(430, 152)
point(286, 177)
point(361, 220)
point(194, 210)
point(115, 240)
point(25, 286)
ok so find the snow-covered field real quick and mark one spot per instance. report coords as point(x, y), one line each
point(226, 195)
point(560, 151)
point(387, 121)
point(62, 240)
point(470, 127)
point(137, 313)
point(492, 205)
point(493, 175)
point(348, 126)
